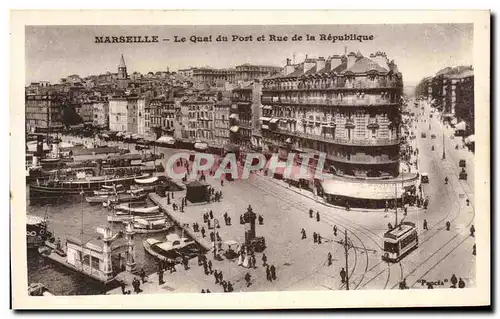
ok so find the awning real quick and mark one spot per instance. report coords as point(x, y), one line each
point(233, 116)
point(460, 126)
point(166, 139)
point(263, 118)
point(234, 129)
point(201, 146)
point(375, 191)
point(274, 121)
point(454, 121)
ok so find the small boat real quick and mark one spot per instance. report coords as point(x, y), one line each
point(143, 226)
point(98, 199)
point(110, 190)
point(137, 208)
point(119, 198)
point(123, 218)
point(173, 249)
point(38, 289)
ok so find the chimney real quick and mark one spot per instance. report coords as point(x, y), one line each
point(351, 59)
point(320, 63)
point(381, 59)
point(309, 64)
point(335, 61)
point(288, 68)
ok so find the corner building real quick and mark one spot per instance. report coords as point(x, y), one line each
point(345, 106)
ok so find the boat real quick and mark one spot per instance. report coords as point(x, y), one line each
point(144, 226)
point(55, 187)
point(119, 198)
point(172, 250)
point(123, 218)
point(137, 208)
point(110, 190)
point(38, 289)
point(36, 231)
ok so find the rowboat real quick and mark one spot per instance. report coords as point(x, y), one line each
point(137, 208)
point(129, 217)
point(120, 198)
point(143, 226)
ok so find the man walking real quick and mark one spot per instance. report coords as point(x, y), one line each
point(273, 272)
point(342, 275)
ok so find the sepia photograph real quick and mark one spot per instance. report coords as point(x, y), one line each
point(193, 158)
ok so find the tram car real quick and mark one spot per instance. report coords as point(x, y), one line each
point(400, 241)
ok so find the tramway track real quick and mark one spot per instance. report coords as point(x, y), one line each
point(331, 222)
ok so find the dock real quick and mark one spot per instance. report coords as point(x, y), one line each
point(182, 219)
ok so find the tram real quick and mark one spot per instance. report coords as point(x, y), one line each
point(400, 241)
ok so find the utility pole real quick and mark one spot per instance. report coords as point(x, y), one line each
point(346, 262)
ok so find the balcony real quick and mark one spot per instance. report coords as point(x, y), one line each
point(340, 141)
point(353, 159)
point(368, 101)
point(346, 85)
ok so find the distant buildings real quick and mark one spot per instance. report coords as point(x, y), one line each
point(451, 91)
point(43, 110)
point(245, 115)
point(249, 72)
point(126, 114)
point(221, 121)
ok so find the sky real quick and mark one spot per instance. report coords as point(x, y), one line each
point(419, 50)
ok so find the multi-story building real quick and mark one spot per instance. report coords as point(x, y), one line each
point(101, 113)
point(43, 110)
point(249, 72)
point(424, 89)
point(246, 114)
point(200, 118)
point(161, 115)
point(86, 111)
point(213, 76)
point(464, 107)
point(125, 113)
point(221, 122)
point(345, 106)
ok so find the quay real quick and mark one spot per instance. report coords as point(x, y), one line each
point(183, 220)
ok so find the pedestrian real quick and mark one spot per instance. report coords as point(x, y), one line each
point(186, 263)
point(335, 230)
point(319, 238)
point(211, 214)
point(310, 213)
point(329, 258)
point(216, 276)
point(229, 221)
point(229, 287)
point(315, 237)
point(247, 279)
point(453, 281)
point(317, 216)
point(461, 283)
point(218, 237)
point(254, 261)
point(225, 217)
point(221, 277)
point(209, 224)
point(210, 266)
point(261, 220)
point(160, 277)
point(273, 272)
point(448, 224)
point(203, 291)
point(224, 286)
point(242, 220)
point(467, 201)
point(142, 274)
point(122, 286)
point(446, 180)
point(303, 233)
point(208, 291)
point(425, 224)
point(203, 232)
point(342, 275)
point(472, 230)
point(264, 259)
point(268, 274)
point(386, 206)
point(212, 236)
point(474, 249)
point(389, 226)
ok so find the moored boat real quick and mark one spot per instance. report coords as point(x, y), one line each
point(137, 208)
point(36, 231)
point(123, 218)
point(173, 249)
point(144, 226)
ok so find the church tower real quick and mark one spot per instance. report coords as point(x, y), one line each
point(122, 74)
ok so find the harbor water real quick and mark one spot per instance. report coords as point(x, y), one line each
point(70, 216)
